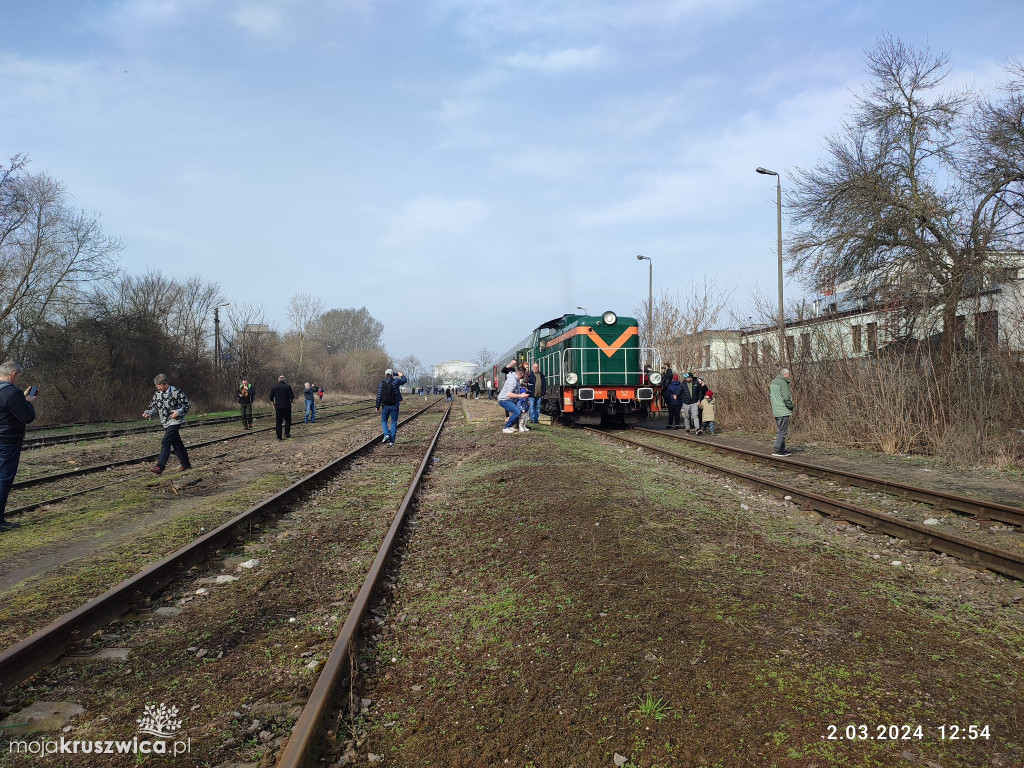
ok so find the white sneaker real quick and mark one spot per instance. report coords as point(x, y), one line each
point(523, 429)
point(509, 430)
point(782, 454)
point(384, 439)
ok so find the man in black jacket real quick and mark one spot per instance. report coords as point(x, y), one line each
point(281, 396)
point(690, 396)
point(15, 412)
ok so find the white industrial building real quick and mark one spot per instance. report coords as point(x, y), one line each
point(854, 322)
point(454, 373)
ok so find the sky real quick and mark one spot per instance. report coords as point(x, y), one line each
point(465, 169)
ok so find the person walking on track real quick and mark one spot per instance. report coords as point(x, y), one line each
point(170, 404)
point(782, 409)
point(245, 398)
point(281, 395)
point(309, 394)
point(389, 397)
point(16, 411)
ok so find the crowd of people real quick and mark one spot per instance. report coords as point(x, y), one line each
point(689, 400)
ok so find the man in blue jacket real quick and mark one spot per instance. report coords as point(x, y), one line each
point(15, 412)
point(389, 395)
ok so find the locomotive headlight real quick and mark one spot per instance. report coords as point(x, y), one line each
point(655, 378)
point(571, 378)
point(609, 318)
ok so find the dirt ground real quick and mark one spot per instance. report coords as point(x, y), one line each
point(568, 602)
point(66, 553)
point(239, 643)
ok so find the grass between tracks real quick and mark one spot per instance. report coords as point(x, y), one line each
point(565, 600)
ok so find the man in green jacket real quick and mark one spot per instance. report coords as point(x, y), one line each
point(782, 409)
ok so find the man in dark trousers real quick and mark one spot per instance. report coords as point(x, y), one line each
point(15, 412)
point(245, 398)
point(170, 404)
point(389, 396)
point(537, 386)
point(281, 396)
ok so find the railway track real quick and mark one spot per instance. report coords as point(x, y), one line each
point(973, 552)
point(70, 632)
point(354, 414)
point(56, 476)
point(63, 438)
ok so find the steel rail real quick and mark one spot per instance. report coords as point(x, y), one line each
point(27, 657)
point(43, 479)
point(979, 508)
point(73, 424)
point(300, 749)
point(83, 437)
point(972, 552)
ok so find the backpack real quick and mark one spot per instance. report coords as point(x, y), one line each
point(387, 392)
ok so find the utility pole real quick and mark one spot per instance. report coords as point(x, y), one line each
point(782, 317)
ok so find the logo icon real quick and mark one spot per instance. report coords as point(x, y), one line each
point(160, 721)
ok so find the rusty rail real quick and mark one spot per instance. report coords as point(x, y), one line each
point(979, 508)
point(972, 552)
point(27, 657)
point(306, 736)
point(54, 477)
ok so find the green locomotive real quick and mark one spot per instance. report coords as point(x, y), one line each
point(595, 368)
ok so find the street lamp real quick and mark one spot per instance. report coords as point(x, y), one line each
point(650, 298)
point(216, 335)
point(582, 309)
point(778, 203)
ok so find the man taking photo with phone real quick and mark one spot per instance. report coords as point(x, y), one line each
point(15, 412)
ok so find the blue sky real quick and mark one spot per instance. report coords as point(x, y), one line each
point(466, 169)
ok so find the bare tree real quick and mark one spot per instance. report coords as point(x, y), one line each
point(49, 253)
point(303, 311)
point(679, 322)
point(252, 344)
point(484, 357)
point(349, 330)
point(411, 366)
point(919, 196)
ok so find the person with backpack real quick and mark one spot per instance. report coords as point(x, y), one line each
point(389, 397)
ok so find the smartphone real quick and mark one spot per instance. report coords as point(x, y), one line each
point(33, 391)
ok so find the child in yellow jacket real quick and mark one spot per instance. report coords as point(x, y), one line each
point(707, 412)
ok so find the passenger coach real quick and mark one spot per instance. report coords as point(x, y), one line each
point(594, 367)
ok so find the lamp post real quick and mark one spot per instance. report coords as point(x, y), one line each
point(582, 309)
point(778, 204)
point(216, 337)
point(650, 298)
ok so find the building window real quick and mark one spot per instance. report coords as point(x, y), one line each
point(790, 347)
point(857, 347)
point(960, 328)
point(707, 355)
point(753, 353)
point(745, 352)
point(766, 351)
point(805, 345)
point(872, 337)
point(986, 329)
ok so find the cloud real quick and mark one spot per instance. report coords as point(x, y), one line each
point(260, 20)
point(560, 62)
point(709, 175)
point(434, 216)
point(546, 163)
